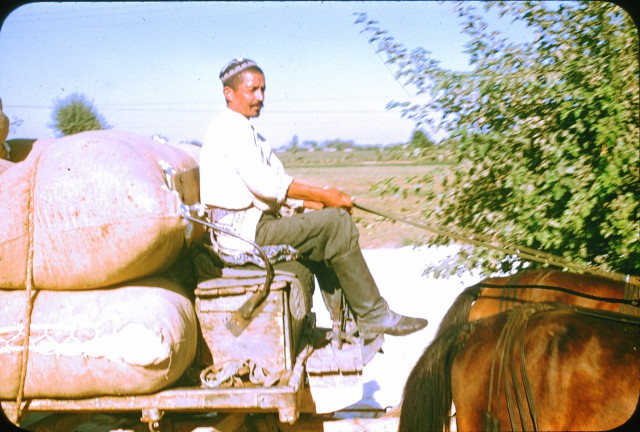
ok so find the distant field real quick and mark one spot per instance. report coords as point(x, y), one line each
point(366, 181)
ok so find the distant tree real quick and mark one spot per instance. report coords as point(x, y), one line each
point(310, 145)
point(75, 114)
point(338, 144)
point(294, 144)
point(421, 143)
point(547, 128)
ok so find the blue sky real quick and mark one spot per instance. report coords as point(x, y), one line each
point(152, 68)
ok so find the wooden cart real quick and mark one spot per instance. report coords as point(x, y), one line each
point(281, 335)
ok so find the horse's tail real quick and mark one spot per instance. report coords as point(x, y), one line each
point(458, 313)
point(427, 398)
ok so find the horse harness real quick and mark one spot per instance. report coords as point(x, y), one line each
point(629, 304)
point(504, 359)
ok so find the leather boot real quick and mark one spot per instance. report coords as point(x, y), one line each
point(372, 311)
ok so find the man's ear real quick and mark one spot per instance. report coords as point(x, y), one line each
point(228, 93)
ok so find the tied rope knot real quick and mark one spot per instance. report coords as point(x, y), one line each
point(236, 374)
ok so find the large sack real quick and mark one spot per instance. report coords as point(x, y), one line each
point(92, 210)
point(192, 149)
point(127, 340)
point(4, 165)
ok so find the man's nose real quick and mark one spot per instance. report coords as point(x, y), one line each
point(259, 95)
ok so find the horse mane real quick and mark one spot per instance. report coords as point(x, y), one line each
point(427, 398)
point(458, 313)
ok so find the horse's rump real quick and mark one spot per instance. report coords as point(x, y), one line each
point(583, 371)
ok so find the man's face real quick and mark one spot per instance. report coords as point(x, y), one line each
point(247, 99)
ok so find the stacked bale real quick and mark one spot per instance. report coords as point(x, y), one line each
point(87, 224)
point(5, 165)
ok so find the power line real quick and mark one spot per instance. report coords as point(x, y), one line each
point(141, 108)
point(386, 65)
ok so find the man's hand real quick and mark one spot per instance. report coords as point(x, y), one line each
point(337, 198)
point(313, 205)
point(316, 197)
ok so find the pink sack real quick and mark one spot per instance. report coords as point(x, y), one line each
point(137, 338)
point(91, 210)
point(4, 165)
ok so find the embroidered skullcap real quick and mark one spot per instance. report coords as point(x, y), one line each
point(235, 66)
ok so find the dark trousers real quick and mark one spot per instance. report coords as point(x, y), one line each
point(321, 236)
point(328, 242)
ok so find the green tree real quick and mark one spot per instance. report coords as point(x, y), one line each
point(338, 144)
point(420, 143)
point(294, 144)
point(547, 131)
point(75, 114)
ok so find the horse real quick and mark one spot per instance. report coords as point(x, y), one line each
point(494, 295)
point(538, 366)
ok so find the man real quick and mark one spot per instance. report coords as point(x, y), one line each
point(247, 187)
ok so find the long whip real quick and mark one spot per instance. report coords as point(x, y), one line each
point(507, 248)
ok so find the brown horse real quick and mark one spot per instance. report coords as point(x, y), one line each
point(539, 366)
point(494, 295)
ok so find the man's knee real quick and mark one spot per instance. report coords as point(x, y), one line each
point(341, 227)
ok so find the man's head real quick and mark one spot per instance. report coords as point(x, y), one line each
point(244, 86)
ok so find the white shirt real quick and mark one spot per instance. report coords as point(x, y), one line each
point(239, 171)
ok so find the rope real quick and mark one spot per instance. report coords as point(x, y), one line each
point(30, 297)
point(25, 348)
point(506, 248)
point(231, 375)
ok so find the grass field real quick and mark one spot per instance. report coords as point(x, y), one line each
point(391, 188)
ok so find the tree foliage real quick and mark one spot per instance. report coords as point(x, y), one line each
point(75, 114)
point(420, 142)
point(547, 131)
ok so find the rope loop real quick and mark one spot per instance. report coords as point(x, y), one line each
point(237, 374)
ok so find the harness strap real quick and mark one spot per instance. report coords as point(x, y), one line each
point(514, 331)
point(525, 379)
point(632, 299)
point(631, 293)
point(509, 297)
